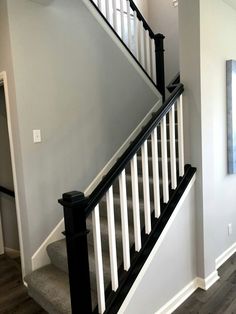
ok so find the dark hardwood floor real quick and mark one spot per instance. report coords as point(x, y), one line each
point(13, 295)
point(219, 299)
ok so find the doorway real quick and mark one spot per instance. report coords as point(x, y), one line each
point(10, 227)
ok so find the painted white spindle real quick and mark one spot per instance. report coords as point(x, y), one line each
point(142, 46)
point(122, 19)
point(114, 10)
point(136, 35)
point(155, 167)
point(148, 52)
point(136, 208)
point(180, 135)
point(165, 180)
point(124, 220)
point(112, 239)
point(129, 24)
point(98, 260)
point(100, 5)
point(146, 188)
point(108, 11)
point(172, 147)
point(153, 54)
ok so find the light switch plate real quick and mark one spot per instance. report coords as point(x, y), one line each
point(37, 136)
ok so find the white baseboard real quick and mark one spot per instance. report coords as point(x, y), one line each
point(122, 149)
point(186, 292)
point(179, 298)
point(206, 283)
point(201, 283)
point(117, 41)
point(40, 257)
point(225, 256)
point(11, 252)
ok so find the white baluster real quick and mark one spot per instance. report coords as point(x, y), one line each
point(136, 208)
point(108, 11)
point(100, 5)
point(112, 239)
point(172, 148)
point(148, 53)
point(124, 220)
point(142, 46)
point(114, 9)
point(136, 35)
point(122, 19)
point(154, 72)
point(129, 24)
point(146, 189)
point(164, 161)
point(98, 260)
point(180, 135)
point(155, 166)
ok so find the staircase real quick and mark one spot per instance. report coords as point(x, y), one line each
point(110, 233)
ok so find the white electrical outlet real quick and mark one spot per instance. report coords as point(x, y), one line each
point(37, 136)
point(230, 229)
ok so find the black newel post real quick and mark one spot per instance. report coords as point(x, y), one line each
point(160, 65)
point(74, 204)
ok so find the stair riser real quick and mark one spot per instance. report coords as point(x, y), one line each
point(129, 189)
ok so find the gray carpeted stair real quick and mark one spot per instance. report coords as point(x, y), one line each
point(49, 285)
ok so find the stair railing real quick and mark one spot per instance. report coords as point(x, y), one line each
point(146, 47)
point(77, 207)
point(7, 191)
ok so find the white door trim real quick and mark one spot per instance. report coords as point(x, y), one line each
point(3, 79)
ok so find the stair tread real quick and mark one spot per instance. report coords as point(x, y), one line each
point(50, 287)
point(58, 256)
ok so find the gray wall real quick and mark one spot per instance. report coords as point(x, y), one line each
point(206, 44)
point(174, 265)
point(74, 84)
point(143, 6)
point(7, 204)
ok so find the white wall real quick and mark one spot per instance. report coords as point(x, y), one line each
point(163, 18)
point(172, 267)
point(206, 44)
point(78, 87)
point(218, 33)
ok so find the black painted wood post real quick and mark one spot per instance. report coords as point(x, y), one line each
point(160, 64)
point(74, 204)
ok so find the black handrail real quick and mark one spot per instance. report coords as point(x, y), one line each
point(141, 18)
point(77, 208)
point(159, 48)
point(7, 191)
point(173, 83)
point(120, 165)
point(93, 199)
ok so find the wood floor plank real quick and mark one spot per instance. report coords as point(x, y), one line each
point(14, 298)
